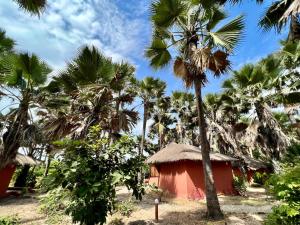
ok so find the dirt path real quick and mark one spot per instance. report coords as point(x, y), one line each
point(25, 208)
point(249, 210)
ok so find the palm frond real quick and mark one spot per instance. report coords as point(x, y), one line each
point(272, 16)
point(6, 44)
point(35, 7)
point(158, 54)
point(228, 35)
point(166, 12)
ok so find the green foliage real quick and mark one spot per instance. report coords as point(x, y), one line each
point(285, 186)
point(125, 208)
point(89, 173)
point(260, 178)
point(292, 155)
point(9, 220)
point(239, 183)
point(54, 203)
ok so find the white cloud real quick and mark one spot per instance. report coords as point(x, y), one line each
point(67, 25)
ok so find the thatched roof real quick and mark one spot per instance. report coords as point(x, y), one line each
point(178, 152)
point(254, 164)
point(25, 160)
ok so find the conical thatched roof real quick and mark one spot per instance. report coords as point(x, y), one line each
point(178, 152)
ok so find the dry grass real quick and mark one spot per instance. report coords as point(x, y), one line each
point(249, 210)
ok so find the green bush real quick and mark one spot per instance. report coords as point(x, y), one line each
point(239, 183)
point(89, 173)
point(285, 186)
point(125, 208)
point(260, 178)
point(9, 220)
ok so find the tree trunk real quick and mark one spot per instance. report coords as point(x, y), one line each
point(48, 162)
point(141, 150)
point(212, 202)
point(294, 33)
point(11, 138)
point(144, 128)
point(275, 139)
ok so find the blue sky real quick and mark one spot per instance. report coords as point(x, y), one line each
point(121, 29)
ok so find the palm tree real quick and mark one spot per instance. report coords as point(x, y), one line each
point(6, 44)
point(34, 7)
point(255, 85)
point(162, 120)
point(279, 13)
point(183, 104)
point(189, 28)
point(148, 90)
point(21, 77)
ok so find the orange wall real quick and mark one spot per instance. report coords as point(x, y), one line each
point(5, 177)
point(223, 178)
point(185, 179)
point(172, 178)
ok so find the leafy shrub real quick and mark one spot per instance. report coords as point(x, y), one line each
point(9, 220)
point(239, 183)
point(292, 155)
point(89, 173)
point(155, 192)
point(285, 187)
point(125, 208)
point(260, 178)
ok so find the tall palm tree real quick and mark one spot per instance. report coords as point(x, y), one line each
point(189, 27)
point(255, 85)
point(183, 104)
point(162, 119)
point(34, 7)
point(148, 90)
point(21, 77)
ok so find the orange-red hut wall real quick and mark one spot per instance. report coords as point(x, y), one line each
point(5, 177)
point(185, 179)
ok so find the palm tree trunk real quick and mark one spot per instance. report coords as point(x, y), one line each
point(48, 162)
point(294, 33)
point(276, 140)
point(11, 138)
point(212, 202)
point(141, 150)
point(144, 129)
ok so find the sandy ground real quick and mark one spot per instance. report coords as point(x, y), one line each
point(249, 210)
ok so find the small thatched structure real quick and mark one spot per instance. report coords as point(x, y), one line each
point(7, 172)
point(178, 169)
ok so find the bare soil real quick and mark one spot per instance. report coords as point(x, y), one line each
point(250, 210)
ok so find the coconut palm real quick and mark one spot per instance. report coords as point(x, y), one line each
point(189, 27)
point(148, 90)
point(21, 77)
point(34, 7)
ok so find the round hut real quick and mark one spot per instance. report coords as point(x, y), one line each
point(7, 173)
point(177, 169)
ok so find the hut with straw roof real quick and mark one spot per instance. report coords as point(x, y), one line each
point(177, 169)
point(7, 173)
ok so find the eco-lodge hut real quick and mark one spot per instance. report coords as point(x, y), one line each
point(177, 169)
point(7, 173)
point(248, 167)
